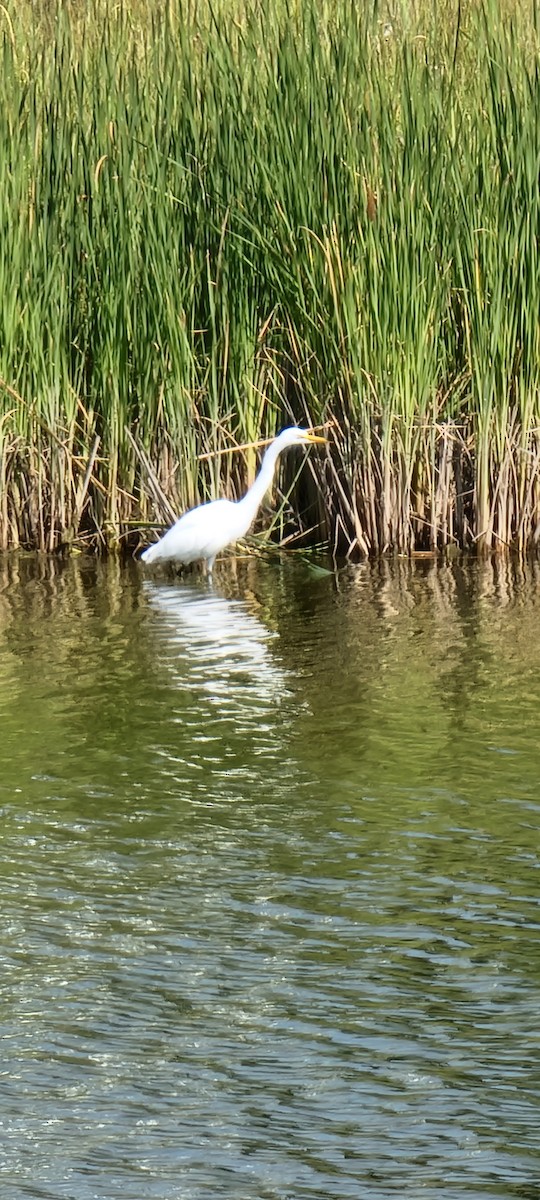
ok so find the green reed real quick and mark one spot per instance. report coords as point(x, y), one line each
point(218, 220)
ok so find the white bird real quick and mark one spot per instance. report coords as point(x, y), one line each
point(204, 531)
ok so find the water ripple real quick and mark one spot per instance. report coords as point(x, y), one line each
point(270, 903)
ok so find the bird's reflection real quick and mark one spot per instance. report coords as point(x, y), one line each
point(217, 645)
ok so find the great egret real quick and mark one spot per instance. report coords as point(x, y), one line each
point(204, 531)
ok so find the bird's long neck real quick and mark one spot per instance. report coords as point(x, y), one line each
point(255, 496)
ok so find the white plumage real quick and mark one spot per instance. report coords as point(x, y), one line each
point(204, 532)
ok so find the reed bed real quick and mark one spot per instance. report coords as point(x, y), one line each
point(218, 220)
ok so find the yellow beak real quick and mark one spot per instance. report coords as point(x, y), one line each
point(312, 437)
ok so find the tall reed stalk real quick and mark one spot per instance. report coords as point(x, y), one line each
point(215, 220)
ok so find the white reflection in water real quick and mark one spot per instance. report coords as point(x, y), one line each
point(218, 648)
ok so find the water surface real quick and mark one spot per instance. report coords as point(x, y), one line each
point(269, 864)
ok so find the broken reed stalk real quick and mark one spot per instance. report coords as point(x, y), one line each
point(258, 444)
point(328, 216)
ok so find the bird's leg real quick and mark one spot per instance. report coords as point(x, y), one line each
point(210, 567)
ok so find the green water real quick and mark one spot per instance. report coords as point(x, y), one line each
point(270, 883)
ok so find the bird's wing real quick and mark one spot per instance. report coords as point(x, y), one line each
point(198, 533)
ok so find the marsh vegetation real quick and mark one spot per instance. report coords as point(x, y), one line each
point(216, 220)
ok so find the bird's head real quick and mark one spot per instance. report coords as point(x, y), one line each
point(295, 436)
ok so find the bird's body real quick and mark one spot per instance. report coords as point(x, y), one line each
point(204, 532)
point(201, 533)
